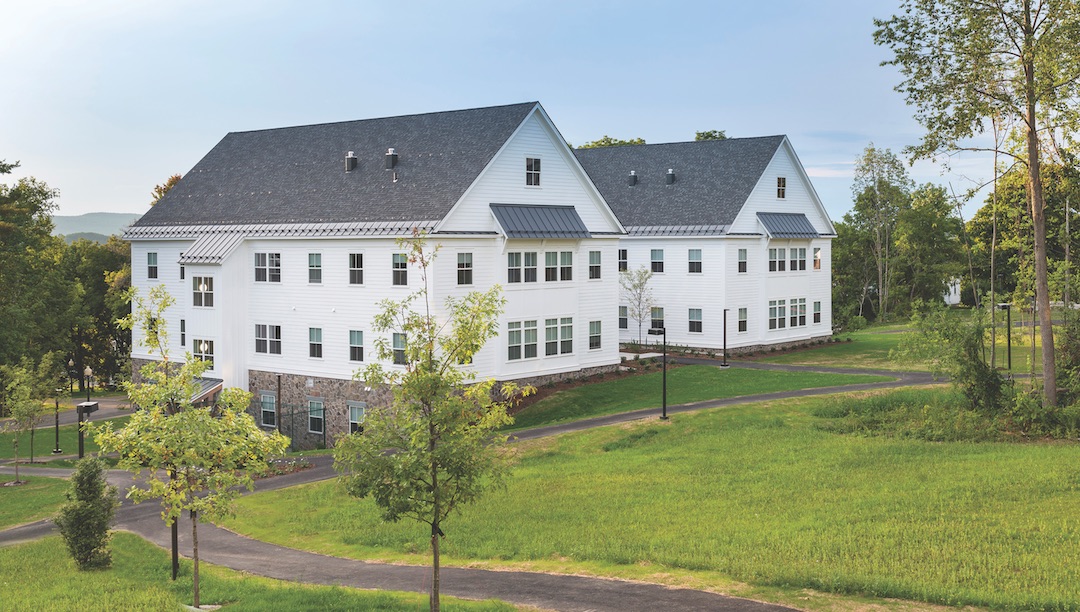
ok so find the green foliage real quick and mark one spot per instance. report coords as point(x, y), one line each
point(608, 141)
point(23, 406)
point(710, 135)
point(85, 519)
point(921, 415)
point(36, 498)
point(160, 190)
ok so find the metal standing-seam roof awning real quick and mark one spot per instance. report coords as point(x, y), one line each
point(207, 388)
point(788, 225)
point(532, 221)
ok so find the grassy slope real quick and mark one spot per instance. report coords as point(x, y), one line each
point(685, 384)
point(755, 494)
point(41, 576)
point(868, 349)
point(40, 498)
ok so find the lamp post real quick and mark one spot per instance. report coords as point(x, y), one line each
point(88, 373)
point(71, 379)
point(662, 331)
point(1007, 307)
point(56, 447)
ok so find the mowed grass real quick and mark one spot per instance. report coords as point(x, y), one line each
point(41, 576)
point(758, 494)
point(685, 384)
point(45, 441)
point(39, 498)
point(867, 350)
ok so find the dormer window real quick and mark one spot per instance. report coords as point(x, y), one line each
point(781, 187)
point(532, 171)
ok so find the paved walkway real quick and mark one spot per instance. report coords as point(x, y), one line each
point(546, 591)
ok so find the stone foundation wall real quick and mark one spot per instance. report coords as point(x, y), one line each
point(742, 350)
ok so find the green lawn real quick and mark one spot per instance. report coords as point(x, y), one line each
point(45, 440)
point(39, 498)
point(41, 576)
point(867, 350)
point(755, 494)
point(685, 384)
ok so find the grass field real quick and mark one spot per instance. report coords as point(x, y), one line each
point(755, 494)
point(685, 384)
point(41, 576)
point(868, 349)
point(45, 439)
point(39, 498)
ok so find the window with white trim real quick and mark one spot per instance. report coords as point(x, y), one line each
point(268, 408)
point(817, 258)
point(268, 267)
point(513, 340)
point(798, 259)
point(316, 423)
point(781, 187)
point(357, 412)
point(656, 318)
point(798, 312)
point(315, 342)
point(594, 335)
point(693, 257)
point(817, 312)
point(695, 320)
point(777, 260)
point(400, 267)
point(657, 258)
point(530, 339)
point(183, 332)
point(399, 349)
point(314, 264)
point(356, 345)
point(530, 266)
point(551, 266)
point(181, 267)
point(268, 339)
point(566, 265)
point(566, 335)
point(624, 317)
point(532, 171)
point(622, 260)
point(594, 264)
point(513, 267)
point(777, 314)
point(743, 319)
point(464, 268)
point(151, 265)
point(203, 350)
point(356, 268)
point(551, 337)
point(202, 291)
point(742, 261)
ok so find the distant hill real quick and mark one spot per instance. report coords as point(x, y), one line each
point(91, 236)
point(105, 224)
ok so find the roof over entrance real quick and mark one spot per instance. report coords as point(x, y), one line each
point(530, 221)
point(788, 225)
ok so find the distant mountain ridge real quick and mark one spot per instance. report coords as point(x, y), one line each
point(102, 223)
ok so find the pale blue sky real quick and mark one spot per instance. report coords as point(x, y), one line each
point(103, 100)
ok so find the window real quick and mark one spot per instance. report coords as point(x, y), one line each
point(314, 265)
point(268, 339)
point(777, 314)
point(694, 261)
point(181, 267)
point(356, 345)
point(400, 269)
point(594, 335)
point(268, 402)
point(513, 267)
point(657, 318)
point(183, 332)
point(777, 260)
point(356, 268)
point(798, 259)
point(622, 260)
point(202, 291)
point(695, 320)
point(315, 342)
point(464, 268)
point(530, 339)
point(551, 336)
point(742, 261)
point(268, 267)
point(658, 260)
point(532, 171)
point(624, 318)
point(357, 411)
point(594, 264)
point(817, 258)
point(530, 267)
point(151, 265)
point(399, 349)
point(742, 319)
point(513, 340)
point(204, 350)
point(781, 186)
point(817, 312)
point(566, 265)
point(315, 416)
point(798, 312)
point(551, 267)
point(566, 335)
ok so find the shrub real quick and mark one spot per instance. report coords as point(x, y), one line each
point(85, 519)
point(856, 323)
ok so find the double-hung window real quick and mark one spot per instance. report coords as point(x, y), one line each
point(315, 416)
point(268, 267)
point(151, 265)
point(183, 332)
point(399, 349)
point(268, 404)
point(798, 312)
point(657, 316)
point(530, 339)
point(781, 187)
point(798, 259)
point(817, 312)
point(464, 268)
point(532, 171)
point(204, 351)
point(695, 320)
point(356, 268)
point(551, 266)
point(777, 260)
point(624, 318)
point(622, 260)
point(315, 342)
point(777, 314)
point(314, 263)
point(513, 340)
point(268, 339)
point(202, 291)
point(657, 256)
point(357, 412)
point(513, 267)
point(594, 335)
point(530, 266)
point(566, 335)
point(694, 261)
point(742, 261)
point(356, 345)
point(566, 265)
point(594, 264)
point(742, 319)
point(551, 337)
point(400, 267)
point(817, 258)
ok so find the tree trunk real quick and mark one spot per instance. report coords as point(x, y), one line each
point(435, 566)
point(16, 458)
point(195, 557)
point(435, 513)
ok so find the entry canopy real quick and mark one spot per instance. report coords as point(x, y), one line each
point(787, 225)
point(532, 221)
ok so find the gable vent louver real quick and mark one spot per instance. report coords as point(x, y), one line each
point(350, 162)
point(670, 176)
point(633, 179)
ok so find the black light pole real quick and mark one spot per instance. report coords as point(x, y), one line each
point(88, 373)
point(1007, 307)
point(56, 448)
point(725, 363)
point(71, 379)
point(662, 331)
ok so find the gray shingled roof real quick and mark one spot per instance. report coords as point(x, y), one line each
point(788, 225)
point(525, 221)
point(297, 174)
point(713, 179)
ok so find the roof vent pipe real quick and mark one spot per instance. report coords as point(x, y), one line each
point(350, 162)
point(633, 178)
point(391, 159)
point(670, 176)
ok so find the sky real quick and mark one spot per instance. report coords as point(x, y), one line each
point(104, 100)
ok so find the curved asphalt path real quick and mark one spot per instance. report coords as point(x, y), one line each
point(545, 591)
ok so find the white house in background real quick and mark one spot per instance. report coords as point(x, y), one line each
point(279, 245)
point(729, 226)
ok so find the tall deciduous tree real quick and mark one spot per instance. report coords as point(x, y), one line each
point(637, 294)
point(22, 406)
point(195, 457)
point(441, 429)
point(965, 62)
point(710, 135)
point(160, 190)
point(608, 141)
point(929, 251)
